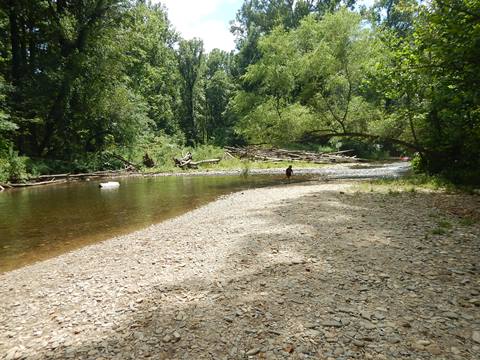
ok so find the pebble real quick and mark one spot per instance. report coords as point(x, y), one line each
point(253, 351)
point(13, 354)
point(358, 343)
point(367, 325)
point(476, 336)
point(331, 323)
point(434, 349)
point(454, 350)
point(338, 351)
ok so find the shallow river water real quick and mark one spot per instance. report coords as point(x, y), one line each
point(37, 223)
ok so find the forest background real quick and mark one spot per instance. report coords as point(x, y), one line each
point(86, 82)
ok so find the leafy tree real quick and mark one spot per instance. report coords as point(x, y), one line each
point(219, 87)
point(446, 52)
point(147, 52)
point(310, 80)
point(259, 17)
point(50, 43)
point(396, 15)
point(190, 61)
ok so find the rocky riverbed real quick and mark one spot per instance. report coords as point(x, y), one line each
point(320, 271)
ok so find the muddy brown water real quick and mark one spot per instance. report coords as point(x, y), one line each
point(39, 223)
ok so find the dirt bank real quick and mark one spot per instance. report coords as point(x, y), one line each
point(300, 271)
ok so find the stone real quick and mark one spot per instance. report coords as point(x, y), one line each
point(423, 342)
point(167, 338)
point(138, 335)
point(365, 315)
point(394, 340)
point(331, 323)
point(13, 354)
point(450, 315)
point(434, 349)
point(367, 325)
point(253, 351)
point(476, 336)
point(454, 350)
point(176, 336)
point(312, 333)
point(338, 351)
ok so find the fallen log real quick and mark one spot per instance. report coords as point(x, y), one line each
point(208, 161)
point(97, 173)
point(56, 176)
point(68, 176)
point(19, 185)
point(130, 165)
point(187, 162)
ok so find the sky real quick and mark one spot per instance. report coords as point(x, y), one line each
point(208, 20)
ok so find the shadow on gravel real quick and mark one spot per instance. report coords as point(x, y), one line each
point(339, 275)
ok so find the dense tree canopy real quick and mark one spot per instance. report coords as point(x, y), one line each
point(83, 79)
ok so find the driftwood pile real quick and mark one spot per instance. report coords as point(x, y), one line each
point(186, 162)
point(273, 154)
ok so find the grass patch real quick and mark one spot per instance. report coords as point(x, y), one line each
point(439, 231)
point(418, 180)
point(423, 181)
point(466, 221)
point(393, 192)
point(412, 184)
point(445, 224)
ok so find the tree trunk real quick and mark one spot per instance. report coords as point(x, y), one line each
point(15, 42)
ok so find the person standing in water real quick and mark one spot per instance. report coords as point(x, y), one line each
point(289, 172)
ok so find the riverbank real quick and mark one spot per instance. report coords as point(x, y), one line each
point(297, 271)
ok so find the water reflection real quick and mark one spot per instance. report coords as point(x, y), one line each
point(38, 223)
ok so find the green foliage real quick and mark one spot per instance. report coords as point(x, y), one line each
point(418, 181)
point(151, 64)
point(12, 166)
point(309, 79)
point(191, 67)
point(439, 231)
point(82, 80)
point(219, 86)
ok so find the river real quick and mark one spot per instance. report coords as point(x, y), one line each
point(42, 222)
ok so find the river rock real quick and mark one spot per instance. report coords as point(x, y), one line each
point(253, 351)
point(13, 354)
point(434, 349)
point(476, 336)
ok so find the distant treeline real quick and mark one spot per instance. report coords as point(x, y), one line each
point(83, 79)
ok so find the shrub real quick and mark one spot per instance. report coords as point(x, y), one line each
point(12, 166)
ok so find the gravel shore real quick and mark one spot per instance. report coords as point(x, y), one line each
point(320, 271)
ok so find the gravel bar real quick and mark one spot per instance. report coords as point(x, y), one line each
point(299, 271)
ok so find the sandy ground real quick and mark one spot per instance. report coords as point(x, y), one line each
point(321, 271)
